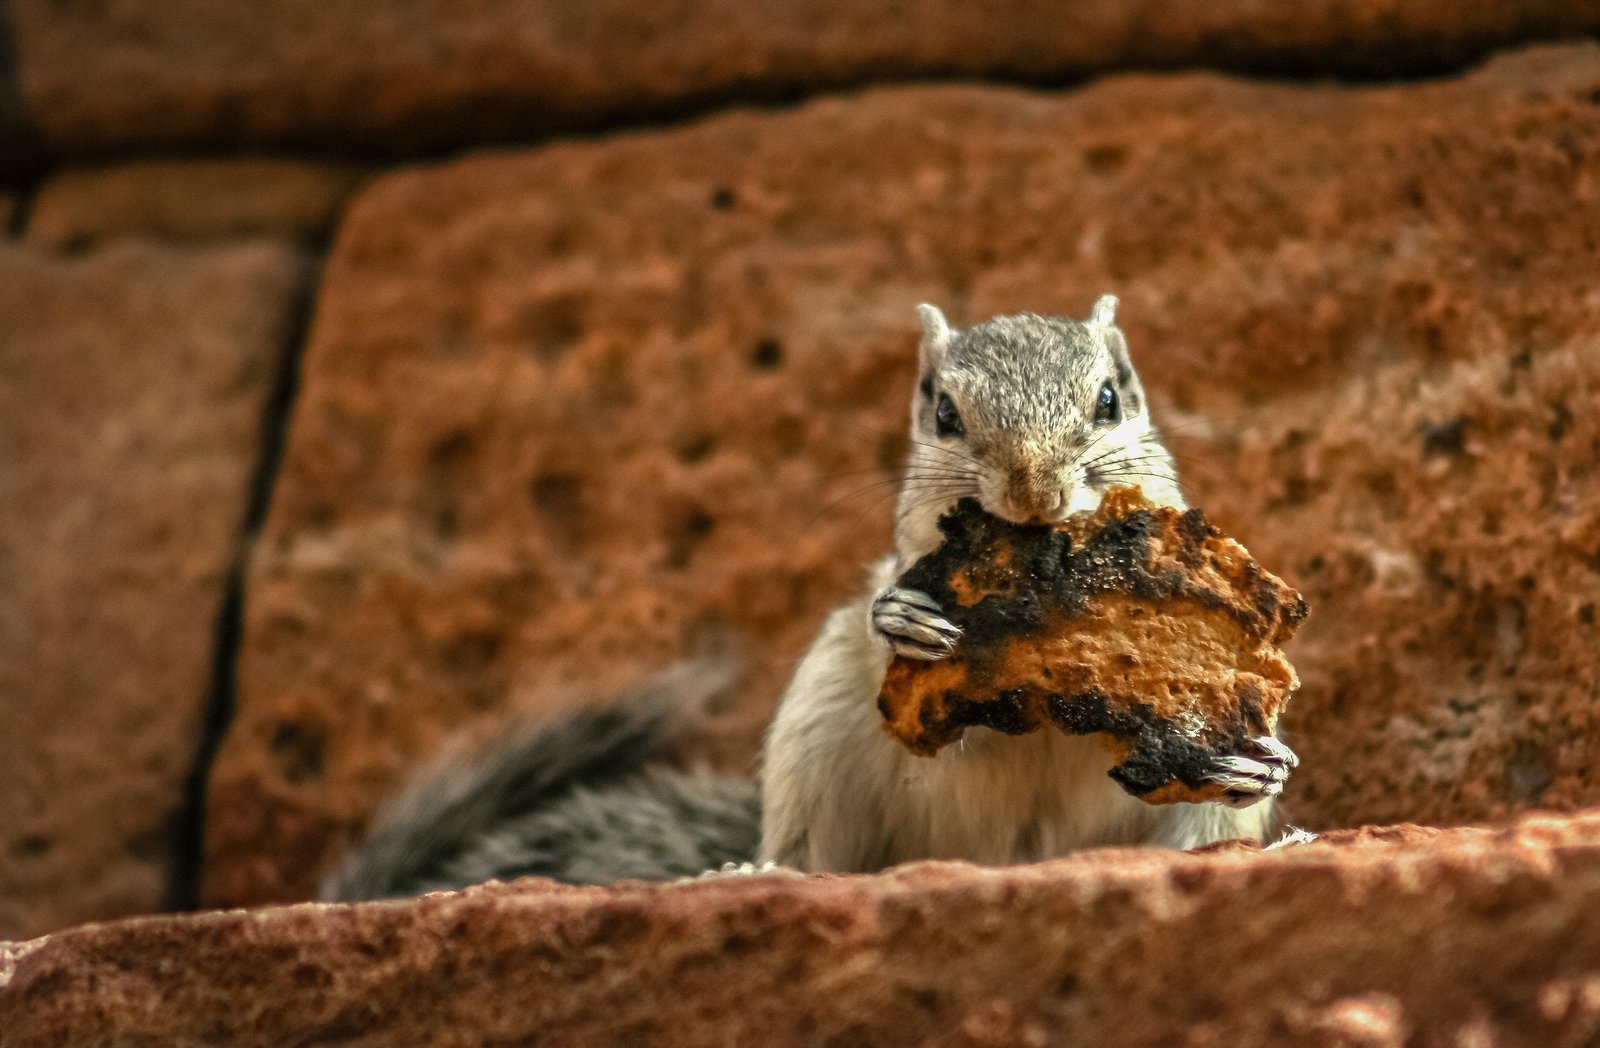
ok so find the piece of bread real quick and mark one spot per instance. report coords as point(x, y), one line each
point(1141, 624)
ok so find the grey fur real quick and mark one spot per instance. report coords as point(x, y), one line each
point(584, 799)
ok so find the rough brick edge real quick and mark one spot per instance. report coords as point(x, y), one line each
point(1422, 935)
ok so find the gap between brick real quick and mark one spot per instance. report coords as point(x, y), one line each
point(22, 144)
point(185, 871)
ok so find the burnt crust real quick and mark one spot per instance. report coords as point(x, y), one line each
point(1141, 624)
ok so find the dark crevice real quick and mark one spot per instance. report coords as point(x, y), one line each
point(18, 223)
point(489, 122)
point(22, 144)
point(184, 877)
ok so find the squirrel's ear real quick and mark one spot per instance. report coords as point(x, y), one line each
point(935, 338)
point(1103, 319)
point(1104, 313)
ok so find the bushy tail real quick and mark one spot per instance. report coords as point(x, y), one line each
point(581, 798)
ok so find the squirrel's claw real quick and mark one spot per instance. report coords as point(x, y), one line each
point(1275, 749)
point(741, 869)
point(1248, 780)
point(912, 625)
point(915, 598)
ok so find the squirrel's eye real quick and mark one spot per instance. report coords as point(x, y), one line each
point(1106, 408)
point(946, 420)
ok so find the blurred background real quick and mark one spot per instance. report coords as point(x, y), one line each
point(373, 372)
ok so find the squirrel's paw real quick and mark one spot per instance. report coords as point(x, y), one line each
point(1248, 780)
point(1292, 835)
point(912, 624)
point(747, 869)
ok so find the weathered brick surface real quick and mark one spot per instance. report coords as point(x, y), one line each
point(135, 380)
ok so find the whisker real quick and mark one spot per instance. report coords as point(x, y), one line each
point(937, 471)
point(1107, 453)
point(963, 480)
point(1136, 478)
point(924, 477)
point(886, 470)
point(855, 520)
point(1133, 475)
point(1096, 442)
point(933, 499)
point(879, 494)
point(932, 473)
point(1115, 468)
point(954, 453)
point(926, 494)
point(875, 486)
point(1108, 477)
point(946, 451)
point(1132, 460)
point(879, 497)
point(951, 483)
point(920, 488)
point(1112, 466)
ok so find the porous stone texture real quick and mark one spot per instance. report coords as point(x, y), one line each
point(135, 380)
point(416, 75)
point(190, 200)
point(569, 411)
point(1403, 936)
point(1442, 515)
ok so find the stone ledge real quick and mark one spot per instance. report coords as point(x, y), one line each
point(1389, 936)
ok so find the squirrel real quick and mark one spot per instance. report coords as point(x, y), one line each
point(1034, 416)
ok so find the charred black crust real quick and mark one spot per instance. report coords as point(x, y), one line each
point(1160, 753)
point(1194, 529)
point(1046, 578)
point(1010, 712)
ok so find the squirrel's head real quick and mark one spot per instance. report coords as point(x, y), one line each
point(1036, 416)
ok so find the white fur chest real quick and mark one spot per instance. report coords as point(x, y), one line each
point(998, 799)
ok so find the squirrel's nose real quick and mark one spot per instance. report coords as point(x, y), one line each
point(1033, 502)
